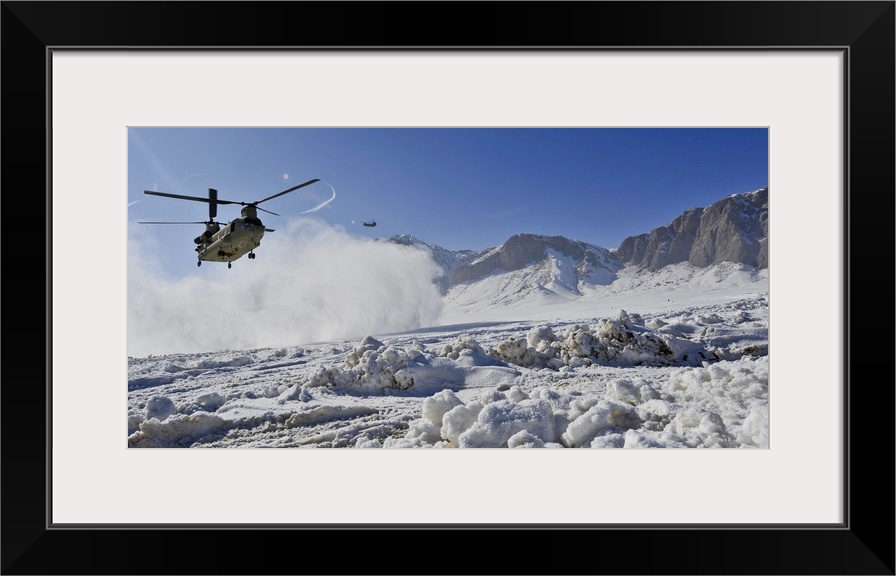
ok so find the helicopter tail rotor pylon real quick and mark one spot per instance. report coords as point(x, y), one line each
point(212, 203)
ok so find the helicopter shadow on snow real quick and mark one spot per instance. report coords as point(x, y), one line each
point(281, 365)
point(175, 374)
point(470, 328)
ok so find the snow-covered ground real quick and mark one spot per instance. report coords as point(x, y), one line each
point(674, 358)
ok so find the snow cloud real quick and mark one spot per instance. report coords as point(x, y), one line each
point(310, 283)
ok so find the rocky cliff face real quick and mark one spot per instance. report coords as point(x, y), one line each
point(665, 245)
point(734, 229)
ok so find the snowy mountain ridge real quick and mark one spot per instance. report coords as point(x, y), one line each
point(530, 268)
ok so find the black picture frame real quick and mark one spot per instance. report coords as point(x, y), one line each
point(864, 544)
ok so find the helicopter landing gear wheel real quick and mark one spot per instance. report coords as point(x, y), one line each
point(251, 255)
point(229, 263)
point(199, 263)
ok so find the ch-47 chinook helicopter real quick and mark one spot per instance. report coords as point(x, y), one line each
point(240, 236)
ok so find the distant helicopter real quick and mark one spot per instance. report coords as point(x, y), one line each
point(240, 236)
point(370, 224)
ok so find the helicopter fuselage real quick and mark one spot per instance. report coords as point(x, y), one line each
point(241, 236)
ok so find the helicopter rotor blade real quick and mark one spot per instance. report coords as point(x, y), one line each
point(166, 194)
point(213, 200)
point(175, 222)
point(312, 181)
point(269, 230)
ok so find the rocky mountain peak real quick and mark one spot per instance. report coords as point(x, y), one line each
point(524, 250)
point(734, 229)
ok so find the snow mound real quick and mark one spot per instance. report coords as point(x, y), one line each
point(722, 405)
point(625, 341)
point(372, 367)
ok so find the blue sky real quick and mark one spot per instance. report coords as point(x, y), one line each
point(459, 188)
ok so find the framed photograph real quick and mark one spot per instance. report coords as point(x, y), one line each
point(818, 77)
